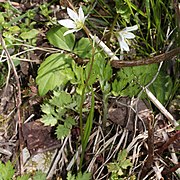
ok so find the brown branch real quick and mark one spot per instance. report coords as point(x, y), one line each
point(170, 141)
point(18, 101)
point(150, 141)
point(171, 170)
point(156, 59)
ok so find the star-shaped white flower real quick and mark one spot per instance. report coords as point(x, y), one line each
point(124, 35)
point(76, 22)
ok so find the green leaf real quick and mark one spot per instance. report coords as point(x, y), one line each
point(49, 120)
point(69, 122)
point(1, 18)
point(113, 167)
point(47, 109)
point(93, 76)
point(39, 175)
point(78, 72)
point(29, 34)
point(84, 176)
point(56, 38)
point(80, 176)
point(120, 172)
point(6, 171)
point(123, 162)
point(24, 177)
point(178, 127)
point(70, 176)
point(89, 123)
point(123, 10)
point(162, 87)
point(126, 163)
point(122, 155)
point(61, 99)
point(62, 131)
point(53, 72)
point(83, 48)
point(130, 79)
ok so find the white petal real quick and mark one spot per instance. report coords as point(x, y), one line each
point(132, 28)
point(73, 15)
point(128, 35)
point(81, 14)
point(123, 44)
point(69, 32)
point(67, 23)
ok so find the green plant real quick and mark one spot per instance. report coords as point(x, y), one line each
point(56, 112)
point(80, 176)
point(71, 82)
point(7, 172)
point(119, 167)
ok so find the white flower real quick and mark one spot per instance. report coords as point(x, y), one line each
point(124, 35)
point(76, 22)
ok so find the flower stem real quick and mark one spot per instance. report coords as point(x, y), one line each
point(111, 29)
point(83, 97)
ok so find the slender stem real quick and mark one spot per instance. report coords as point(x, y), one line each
point(105, 109)
point(83, 96)
point(112, 28)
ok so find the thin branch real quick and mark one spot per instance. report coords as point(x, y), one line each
point(150, 141)
point(170, 141)
point(156, 59)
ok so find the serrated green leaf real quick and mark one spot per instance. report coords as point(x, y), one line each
point(56, 38)
point(120, 172)
point(29, 34)
point(53, 72)
point(49, 120)
point(24, 177)
point(39, 175)
point(47, 109)
point(84, 176)
point(113, 167)
point(70, 176)
point(83, 48)
point(61, 99)
point(6, 171)
point(130, 79)
point(126, 163)
point(122, 155)
point(62, 131)
point(69, 122)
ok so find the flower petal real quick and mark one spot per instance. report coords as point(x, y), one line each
point(128, 35)
point(67, 23)
point(73, 15)
point(131, 28)
point(81, 15)
point(69, 32)
point(123, 44)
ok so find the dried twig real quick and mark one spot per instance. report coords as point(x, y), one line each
point(55, 162)
point(150, 141)
point(161, 107)
point(169, 141)
point(156, 59)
